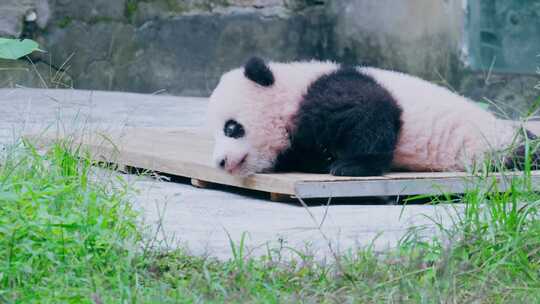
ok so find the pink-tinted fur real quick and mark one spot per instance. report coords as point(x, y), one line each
point(441, 130)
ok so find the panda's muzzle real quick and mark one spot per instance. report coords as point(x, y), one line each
point(232, 166)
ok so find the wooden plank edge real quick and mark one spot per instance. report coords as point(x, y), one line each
point(401, 187)
point(280, 197)
point(198, 183)
point(191, 170)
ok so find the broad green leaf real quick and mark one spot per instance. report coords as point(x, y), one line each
point(16, 48)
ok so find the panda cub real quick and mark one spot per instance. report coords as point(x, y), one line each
point(322, 117)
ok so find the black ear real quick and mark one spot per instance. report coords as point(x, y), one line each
point(257, 71)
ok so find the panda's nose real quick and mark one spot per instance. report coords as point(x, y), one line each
point(222, 163)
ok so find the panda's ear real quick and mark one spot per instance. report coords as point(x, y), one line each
point(257, 71)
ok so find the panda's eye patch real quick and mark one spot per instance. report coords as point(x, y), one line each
point(233, 129)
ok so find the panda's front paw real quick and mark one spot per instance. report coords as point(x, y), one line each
point(352, 168)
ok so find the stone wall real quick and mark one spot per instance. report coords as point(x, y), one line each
point(183, 46)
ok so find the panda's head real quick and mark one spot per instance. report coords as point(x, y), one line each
point(249, 115)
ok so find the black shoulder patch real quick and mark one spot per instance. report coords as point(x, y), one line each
point(347, 124)
point(257, 71)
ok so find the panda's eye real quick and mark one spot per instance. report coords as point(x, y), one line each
point(233, 129)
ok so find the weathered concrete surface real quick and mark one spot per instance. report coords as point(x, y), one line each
point(201, 219)
point(204, 219)
point(417, 36)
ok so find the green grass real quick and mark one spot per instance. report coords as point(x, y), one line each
point(62, 236)
point(66, 237)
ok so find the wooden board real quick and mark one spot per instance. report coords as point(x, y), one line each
point(188, 153)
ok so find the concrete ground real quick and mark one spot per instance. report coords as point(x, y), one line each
point(205, 220)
